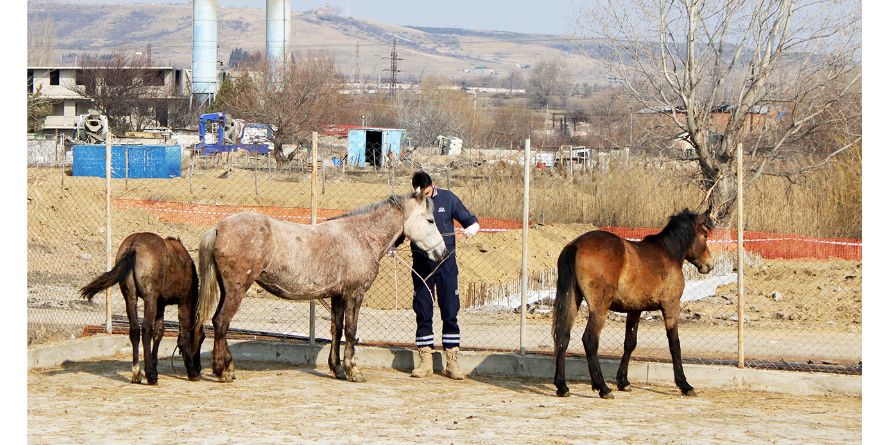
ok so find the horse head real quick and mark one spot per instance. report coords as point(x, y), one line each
point(699, 254)
point(419, 225)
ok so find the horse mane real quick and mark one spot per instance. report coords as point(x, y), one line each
point(394, 201)
point(677, 235)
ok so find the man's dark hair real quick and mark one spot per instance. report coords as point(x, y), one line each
point(421, 179)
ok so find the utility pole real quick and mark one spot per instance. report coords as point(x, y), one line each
point(358, 83)
point(393, 69)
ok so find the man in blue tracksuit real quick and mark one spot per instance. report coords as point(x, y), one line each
point(444, 281)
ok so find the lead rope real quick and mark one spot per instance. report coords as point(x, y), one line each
point(172, 363)
point(424, 280)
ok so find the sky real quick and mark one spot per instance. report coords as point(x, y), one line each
point(525, 16)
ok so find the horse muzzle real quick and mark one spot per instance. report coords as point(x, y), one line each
point(437, 253)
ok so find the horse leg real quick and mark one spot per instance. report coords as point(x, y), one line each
point(148, 336)
point(562, 333)
point(631, 326)
point(352, 308)
point(134, 329)
point(671, 315)
point(158, 335)
point(591, 340)
point(222, 362)
point(337, 325)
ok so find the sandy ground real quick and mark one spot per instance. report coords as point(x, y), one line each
point(93, 402)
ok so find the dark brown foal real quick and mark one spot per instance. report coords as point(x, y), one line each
point(160, 272)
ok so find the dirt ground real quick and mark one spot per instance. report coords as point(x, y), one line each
point(93, 402)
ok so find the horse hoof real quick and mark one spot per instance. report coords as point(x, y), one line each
point(606, 395)
point(689, 393)
point(563, 392)
point(226, 377)
point(625, 388)
point(357, 377)
point(193, 378)
point(340, 374)
point(136, 374)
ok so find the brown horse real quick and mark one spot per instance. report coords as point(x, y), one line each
point(161, 273)
point(611, 273)
point(337, 259)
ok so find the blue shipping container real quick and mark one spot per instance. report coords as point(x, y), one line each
point(145, 161)
point(371, 145)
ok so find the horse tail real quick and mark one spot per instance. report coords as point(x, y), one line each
point(207, 299)
point(118, 273)
point(566, 302)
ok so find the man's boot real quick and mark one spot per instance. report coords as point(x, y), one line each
point(452, 369)
point(425, 362)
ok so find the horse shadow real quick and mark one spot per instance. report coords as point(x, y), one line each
point(533, 374)
point(173, 367)
point(120, 370)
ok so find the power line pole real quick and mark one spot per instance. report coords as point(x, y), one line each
point(393, 70)
point(358, 82)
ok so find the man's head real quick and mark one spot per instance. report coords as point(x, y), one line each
point(422, 182)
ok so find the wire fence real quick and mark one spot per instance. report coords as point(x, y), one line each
point(802, 304)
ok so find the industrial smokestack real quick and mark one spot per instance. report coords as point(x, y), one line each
point(204, 71)
point(278, 32)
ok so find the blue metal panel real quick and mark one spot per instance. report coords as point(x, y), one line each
point(210, 149)
point(357, 147)
point(145, 161)
point(393, 140)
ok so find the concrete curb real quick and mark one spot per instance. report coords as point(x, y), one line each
point(474, 364)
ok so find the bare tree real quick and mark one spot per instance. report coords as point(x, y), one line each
point(41, 39)
point(39, 106)
point(122, 87)
point(438, 110)
point(511, 125)
point(295, 98)
point(765, 73)
point(514, 81)
point(548, 81)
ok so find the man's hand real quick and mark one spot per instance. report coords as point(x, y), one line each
point(471, 230)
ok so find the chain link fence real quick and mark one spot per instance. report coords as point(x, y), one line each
point(802, 303)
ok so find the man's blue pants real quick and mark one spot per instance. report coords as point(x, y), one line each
point(444, 282)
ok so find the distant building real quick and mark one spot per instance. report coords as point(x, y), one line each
point(760, 118)
point(481, 70)
point(58, 83)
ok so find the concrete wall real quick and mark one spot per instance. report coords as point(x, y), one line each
point(44, 153)
point(475, 364)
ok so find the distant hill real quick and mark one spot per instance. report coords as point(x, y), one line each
point(447, 52)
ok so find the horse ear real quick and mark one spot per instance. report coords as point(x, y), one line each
point(707, 216)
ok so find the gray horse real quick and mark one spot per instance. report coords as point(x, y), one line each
point(337, 259)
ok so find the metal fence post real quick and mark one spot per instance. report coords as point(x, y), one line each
point(313, 316)
point(740, 252)
point(126, 167)
point(524, 277)
point(110, 261)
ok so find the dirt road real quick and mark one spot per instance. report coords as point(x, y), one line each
point(93, 402)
